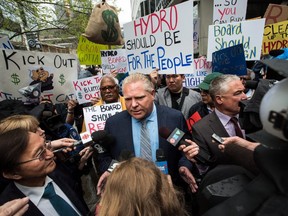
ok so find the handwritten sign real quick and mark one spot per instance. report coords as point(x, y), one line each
point(96, 116)
point(163, 40)
point(276, 13)
point(275, 37)
point(249, 33)
point(201, 69)
point(114, 60)
point(230, 61)
point(196, 33)
point(89, 52)
point(87, 88)
point(227, 11)
point(54, 71)
point(5, 43)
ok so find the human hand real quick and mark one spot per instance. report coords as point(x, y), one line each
point(85, 154)
point(71, 104)
point(113, 72)
point(190, 151)
point(101, 182)
point(95, 100)
point(188, 177)
point(16, 207)
point(63, 142)
point(237, 141)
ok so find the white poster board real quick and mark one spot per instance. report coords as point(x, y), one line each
point(227, 11)
point(201, 69)
point(87, 88)
point(249, 33)
point(55, 71)
point(114, 60)
point(163, 40)
point(96, 116)
point(5, 43)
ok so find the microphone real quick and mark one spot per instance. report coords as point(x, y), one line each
point(102, 140)
point(125, 155)
point(161, 162)
point(176, 138)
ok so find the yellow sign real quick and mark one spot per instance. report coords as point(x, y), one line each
point(275, 37)
point(89, 53)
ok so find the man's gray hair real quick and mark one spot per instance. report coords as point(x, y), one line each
point(111, 78)
point(219, 85)
point(135, 77)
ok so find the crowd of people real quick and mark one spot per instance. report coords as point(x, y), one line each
point(39, 177)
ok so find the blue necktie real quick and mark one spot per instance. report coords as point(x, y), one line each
point(145, 147)
point(59, 204)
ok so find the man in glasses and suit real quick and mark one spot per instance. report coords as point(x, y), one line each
point(30, 165)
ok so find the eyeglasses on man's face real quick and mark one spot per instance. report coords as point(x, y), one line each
point(41, 155)
point(108, 88)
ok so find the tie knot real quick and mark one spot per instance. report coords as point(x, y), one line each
point(144, 123)
point(49, 191)
point(234, 120)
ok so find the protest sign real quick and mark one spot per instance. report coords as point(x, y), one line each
point(5, 43)
point(96, 116)
point(227, 11)
point(249, 33)
point(54, 71)
point(89, 52)
point(275, 37)
point(201, 69)
point(114, 60)
point(230, 61)
point(196, 33)
point(276, 13)
point(87, 88)
point(162, 40)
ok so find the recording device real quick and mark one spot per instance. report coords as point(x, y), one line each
point(176, 139)
point(101, 141)
point(32, 93)
point(217, 138)
point(161, 162)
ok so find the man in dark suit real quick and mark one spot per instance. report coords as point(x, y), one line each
point(226, 92)
point(139, 94)
point(30, 166)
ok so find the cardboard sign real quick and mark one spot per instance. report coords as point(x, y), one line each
point(196, 33)
point(87, 88)
point(54, 71)
point(249, 33)
point(5, 43)
point(275, 37)
point(89, 52)
point(276, 13)
point(230, 61)
point(96, 116)
point(227, 11)
point(201, 69)
point(163, 40)
point(114, 60)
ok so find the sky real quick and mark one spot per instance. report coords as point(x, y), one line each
point(125, 15)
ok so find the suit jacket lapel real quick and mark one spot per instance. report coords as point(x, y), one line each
point(216, 125)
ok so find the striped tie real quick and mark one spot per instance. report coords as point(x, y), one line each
point(145, 146)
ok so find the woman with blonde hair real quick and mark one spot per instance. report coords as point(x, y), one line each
point(137, 187)
point(31, 124)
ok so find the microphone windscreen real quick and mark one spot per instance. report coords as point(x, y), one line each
point(160, 156)
point(164, 132)
point(125, 155)
point(98, 135)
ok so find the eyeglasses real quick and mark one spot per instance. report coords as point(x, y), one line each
point(107, 88)
point(42, 154)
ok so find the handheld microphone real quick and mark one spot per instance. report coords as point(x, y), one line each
point(102, 140)
point(161, 162)
point(125, 155)
point(176, 139)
